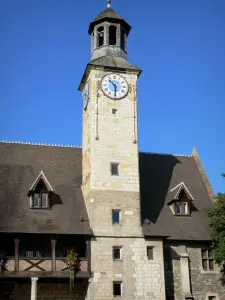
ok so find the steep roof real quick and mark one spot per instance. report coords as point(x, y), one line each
point(20, 164)
point(108, 14)
point(159, 174)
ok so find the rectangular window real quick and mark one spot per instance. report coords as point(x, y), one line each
point(182, 208)
point(167, 259)
point(116, 216)
point(169, 297)
point(114, 169)
point(117, 288)
point(114, 111)
point(44, 199)
point(117, 253)
point(36, 200)
point(150, 253)
point(212, 298)
point(207, 260)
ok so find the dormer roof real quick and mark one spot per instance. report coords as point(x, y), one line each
point(40, 177)
point(175, 192)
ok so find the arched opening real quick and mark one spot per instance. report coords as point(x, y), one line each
point(92, 41)
point(112, 35)
point(100, 41)
point(123, 39)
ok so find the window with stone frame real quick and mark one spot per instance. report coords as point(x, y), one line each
point(117, 288)
point(207, 260)
point(114, 169)
point(117, 252)
point(150, 252)
point(169, 297)
point(116, 216)
point(211, 297)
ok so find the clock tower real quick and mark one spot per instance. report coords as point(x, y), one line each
point(110, 166)
point(110, 139)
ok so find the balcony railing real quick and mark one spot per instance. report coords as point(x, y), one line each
point(43, 267)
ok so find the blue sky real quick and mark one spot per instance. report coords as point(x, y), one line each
point(179, 44)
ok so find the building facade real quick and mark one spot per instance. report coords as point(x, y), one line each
point(105, 220)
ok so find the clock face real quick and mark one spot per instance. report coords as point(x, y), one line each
point(114, 86)
point(85, 96)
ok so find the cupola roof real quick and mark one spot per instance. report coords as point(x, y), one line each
point(111, 15)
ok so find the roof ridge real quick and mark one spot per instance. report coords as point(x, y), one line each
point(39, 144)
point(172, 154)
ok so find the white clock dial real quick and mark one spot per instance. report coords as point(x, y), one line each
point(114, 86)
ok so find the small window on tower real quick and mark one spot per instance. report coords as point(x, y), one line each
point(100, 36)
point(116, 215)
point(114, 111)
point(114, 169)
point(117, 288)
point(112, 35)
point(150, 253)
point(117, 253)
point(123, 39)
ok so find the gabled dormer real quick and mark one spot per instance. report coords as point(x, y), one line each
point(180, 200)
point(40, 192)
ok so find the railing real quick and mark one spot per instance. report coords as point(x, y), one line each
point(43, 264)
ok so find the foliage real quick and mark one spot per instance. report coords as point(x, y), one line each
point(217, 221)
point(72, 263)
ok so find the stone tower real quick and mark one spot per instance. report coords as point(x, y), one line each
point(110, 159)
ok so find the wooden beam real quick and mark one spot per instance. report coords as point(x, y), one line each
point(53, 243)
point(88, 254)
point(16, 265)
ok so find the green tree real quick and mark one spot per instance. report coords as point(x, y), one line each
point(217, 222)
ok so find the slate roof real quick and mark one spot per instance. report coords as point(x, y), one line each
point(159, 174)
point(108, 14)
point(111, 62)
point(20, 165)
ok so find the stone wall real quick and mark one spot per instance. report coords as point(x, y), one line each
point(202, 283)
point(45, 291)
point(142, 279)
point(109, 137)
point(100, 205)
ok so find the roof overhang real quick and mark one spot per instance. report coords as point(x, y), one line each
point(95, 66)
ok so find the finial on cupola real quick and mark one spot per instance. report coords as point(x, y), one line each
point(108, 3)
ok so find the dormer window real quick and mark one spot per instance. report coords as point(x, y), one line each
point(181, 208)
point(40, 192)
point(40, 200)
point(180, 200)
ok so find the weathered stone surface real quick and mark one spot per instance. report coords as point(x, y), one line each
point(141, 277)
point(202, 283)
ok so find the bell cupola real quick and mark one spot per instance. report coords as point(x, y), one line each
point(109, 32)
